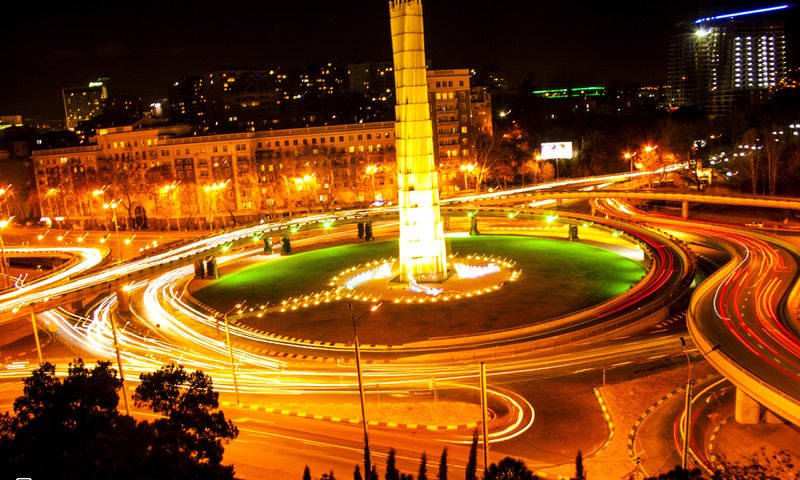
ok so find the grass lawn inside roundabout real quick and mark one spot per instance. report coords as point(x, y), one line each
point(557, 277)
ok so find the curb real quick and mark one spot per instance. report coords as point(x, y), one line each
point(646, 413)
point(355, 421)
point(711, 455)
point(607, 416)
point(296, 341)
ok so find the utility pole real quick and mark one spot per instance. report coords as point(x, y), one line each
point(484, 408)
point(119, 362)
point(36, 335)
point(367, 460)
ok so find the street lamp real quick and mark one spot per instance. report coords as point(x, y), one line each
point(467, 169)
point(6, 192)
point(371, 170)
point(687, 411)
point(238, 307)
point(367, 461)
point(213, 192)
point(3, 263)
point(629, 156)
point(113, 206)
point(98, 193)
point(168, 190)
point(306, 182)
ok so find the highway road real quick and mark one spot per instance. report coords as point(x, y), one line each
point(742, 308)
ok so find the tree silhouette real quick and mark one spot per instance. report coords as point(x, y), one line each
point(357, 473)
point(580, 473)
point(443, 465)
point(74, 425)
point(423, 468)
point(509, 469)
point(391, 469)
point(472, 461)
point(306, 474)
point(187, 400)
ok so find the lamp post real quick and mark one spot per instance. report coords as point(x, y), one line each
point(6, 192)
point(367, 461)
point(687, 411)
point(98, 193)
point(167, 191)
point(213, 192)
point(629, 156)
point(371, 170)
point(238, 307)
point(306, 182)
point(467, 169)
point(113, 206)
point(3, 263)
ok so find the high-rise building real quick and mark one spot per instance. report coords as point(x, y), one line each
point(187, 102)
point(451, 111)
point(82, 103)
point(724, 62)
point(374, 79)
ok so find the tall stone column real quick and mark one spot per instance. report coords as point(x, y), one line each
point(423, 256)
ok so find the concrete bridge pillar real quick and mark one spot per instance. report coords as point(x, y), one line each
point(771, 417)
point(123, 299)
point(748, 411)
point(685, 209)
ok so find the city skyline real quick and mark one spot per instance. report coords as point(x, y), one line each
point(143, 51)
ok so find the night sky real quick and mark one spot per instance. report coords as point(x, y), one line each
point(145, 45)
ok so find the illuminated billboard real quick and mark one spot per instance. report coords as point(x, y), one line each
point(556, 150)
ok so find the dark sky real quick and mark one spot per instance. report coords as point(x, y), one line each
point(144, 45)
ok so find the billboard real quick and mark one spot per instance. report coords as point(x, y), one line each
point(556, 150)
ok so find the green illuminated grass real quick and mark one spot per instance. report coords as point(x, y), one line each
point(558, 277)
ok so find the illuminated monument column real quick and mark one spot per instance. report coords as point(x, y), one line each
point(422, 249)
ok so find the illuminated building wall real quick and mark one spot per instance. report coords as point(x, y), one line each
point(257, 172)
point(82, 103)
point(728, 61)
point(423, 256)
point(450, 98)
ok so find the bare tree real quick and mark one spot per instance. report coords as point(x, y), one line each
point(748, 160)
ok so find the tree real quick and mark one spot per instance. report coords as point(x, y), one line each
point(443, 465)
point(749, 159)
point(472, 461)
point(307, 473)
point(680, 474)
point(356, 473)
point(391, 468)
point(509, 469)
point(760, 466)
point(74, 424)
point(423, 468)
point(59, 420)
point(775, 145)
point(187, 400)
point(580, 473)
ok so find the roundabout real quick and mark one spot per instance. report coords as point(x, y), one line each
point(306, 294)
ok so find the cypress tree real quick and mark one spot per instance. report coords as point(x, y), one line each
point(472, 461)
point(391, 469)
point(443, 465)
point(423, 467)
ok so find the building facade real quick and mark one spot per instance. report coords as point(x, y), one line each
point(725, 62)
point(163, 177)
point(82, 103)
